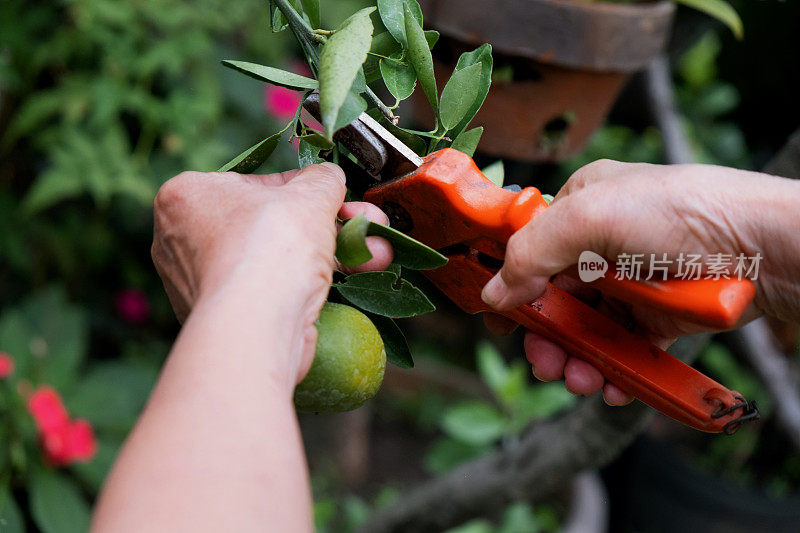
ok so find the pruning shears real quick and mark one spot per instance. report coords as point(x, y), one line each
point(444, 201)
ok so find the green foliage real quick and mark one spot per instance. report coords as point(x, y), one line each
point(495, 172)
point(351, 246)
point(472, 426)
point(385, 294)
point(57, 505)
point(720, 10)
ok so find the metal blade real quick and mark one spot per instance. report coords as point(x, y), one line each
point(382, 154)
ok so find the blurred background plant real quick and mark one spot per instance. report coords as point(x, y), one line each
point(102, 101)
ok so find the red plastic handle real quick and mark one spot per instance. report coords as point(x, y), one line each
point(451, 202)
point(627, 360)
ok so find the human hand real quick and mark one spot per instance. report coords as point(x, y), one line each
point(267, 236)
point(612, 208)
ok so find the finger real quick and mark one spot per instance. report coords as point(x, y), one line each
point(371, 211)
point(547, 359)
point(498, 324)
point(271, 180)
point(322, 185)
point(595, 171)
point(382, 257)
point(582, 378)
point(547, 245)
point(615, 396)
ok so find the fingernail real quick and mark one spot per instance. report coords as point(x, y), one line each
point(495, 291)
point(533, 368)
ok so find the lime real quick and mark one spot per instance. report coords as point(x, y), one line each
point(348, 365)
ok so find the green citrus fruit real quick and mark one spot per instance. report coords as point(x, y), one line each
point(348, 365)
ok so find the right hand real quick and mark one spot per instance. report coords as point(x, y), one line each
point(612, 208)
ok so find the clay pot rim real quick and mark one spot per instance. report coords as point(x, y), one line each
point(590, 35)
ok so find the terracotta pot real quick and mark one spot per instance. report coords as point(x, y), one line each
point(569, 58)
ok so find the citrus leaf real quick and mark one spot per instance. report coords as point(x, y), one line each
point(467, 141)
point(339, 64)
point(483, 56)
point(277, 22)
point(432, 37)
point(408, 252)
point(495, 172)
point(311, 10)
point(252, 158)
point(383, 45)
point(393, 17)
point(353, 106)
point(473, 422)
point(394, 342)
point(275, 76)
point(383, 293)
point(398, 77)
point(458, 95)
point(56, 503)
point(491, 367)
point(720, 10)
point(317, 140)
point(351, 245)
point(308, 154)
point(419, 56)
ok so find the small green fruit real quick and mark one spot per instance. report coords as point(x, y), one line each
point(348, 365)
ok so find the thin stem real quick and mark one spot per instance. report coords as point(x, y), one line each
point(381, 106)
point(304, 33)
point(325, 33)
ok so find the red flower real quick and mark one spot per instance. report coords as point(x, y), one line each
point(132, 306)
point(64, 441)
point(6, 365)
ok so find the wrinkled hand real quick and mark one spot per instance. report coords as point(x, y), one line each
point(612, 208)
point(272, 235)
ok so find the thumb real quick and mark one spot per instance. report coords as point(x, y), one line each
point(548, 244)
point(321, 186)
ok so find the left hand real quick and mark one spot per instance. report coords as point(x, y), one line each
point(269, 236)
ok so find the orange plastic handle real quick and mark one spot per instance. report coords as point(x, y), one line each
point(452, 202)
point(629, 361)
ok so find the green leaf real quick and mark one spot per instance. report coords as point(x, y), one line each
point(447, 453)
point(307, 154)
point(495, 172)
point(383, 45)
point(408, 252)
point(409, 139)
point(56, 504)
point(317, 140)
point(311, 10)
point(393, 17)
point(252, 158)
point(275, 76)
point(351, 245)
point(11, 520)
point(277, 22)
point(548, 198)
point(112, 394)
point(468, 140)
point(383, 293)
point(432, 37)
point(340, 63)
point(458, 95)
point(398, 77)
point(419, 56)
point(491, 367)
point(474, 422)
point(353, 106)
point(720, 10)
point(482, 56)
point(93, 473)
point(394, 342)
point(51, 188)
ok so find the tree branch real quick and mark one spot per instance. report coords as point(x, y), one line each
point(775, 372)
point(661, 101)
point(545, 457)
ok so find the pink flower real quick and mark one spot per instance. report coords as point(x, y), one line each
point(132, 306)
point(280, 102)
point(6, 365)
point(64, 441)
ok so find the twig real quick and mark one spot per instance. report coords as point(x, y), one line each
point(588, 509)
point(661, 101)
